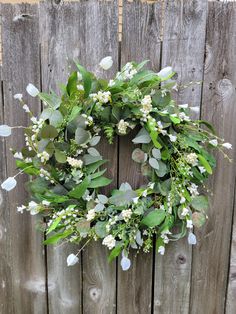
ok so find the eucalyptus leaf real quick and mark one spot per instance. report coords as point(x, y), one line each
point(81, 136)
point(154, 218)
point(154, 163)
point(142, 137)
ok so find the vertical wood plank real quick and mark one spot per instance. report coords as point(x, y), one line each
point(99, 277)
point(211, 257)
point(61, 34)
point(184, 26)
point(141, 39)
point(88, 31)
point(22, 253)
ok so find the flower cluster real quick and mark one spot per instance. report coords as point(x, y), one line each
point(67, 171)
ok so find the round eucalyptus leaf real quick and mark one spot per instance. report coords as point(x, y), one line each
point(154, 163)
point(81, 136)
point(139, 156)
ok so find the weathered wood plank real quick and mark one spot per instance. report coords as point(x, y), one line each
point(99, 277)
point(22, 253)
point(184, 25)
point(211, 257)
point(141, 39)
point(61, 34)
point(86, 30)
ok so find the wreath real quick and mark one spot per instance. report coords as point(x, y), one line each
point(67, 171)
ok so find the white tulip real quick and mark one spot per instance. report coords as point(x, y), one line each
point(125, 263)
point(72, 259)
point(106, 63)
point(165, 73)
point(33, 207)
point(192, 240)
point(26, 108)
point(5, 130)
point(184, 106)
point(227, 145)
point(32, 90)
point(18, 155)
point(213, 142)
point(9, 184)
point(195, 109)
point(18, 97)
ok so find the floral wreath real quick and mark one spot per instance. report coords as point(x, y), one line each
point(66, 170)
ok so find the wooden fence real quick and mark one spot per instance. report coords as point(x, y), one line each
point(196, 37)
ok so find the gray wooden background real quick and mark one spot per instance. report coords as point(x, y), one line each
point(196, 37)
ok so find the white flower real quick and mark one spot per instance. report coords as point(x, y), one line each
point(125, 263)
point(9, 184)
point(202, 169)
point(91, 214)
point(18, 97)
point(5, 130)
point(111, 83)
point(122, 126)
point(192, 159)
point(192, 240)
point(80, 87)
point(109, 241)
point(184, 106)
point(161, 250)
point(33, 207)
point(18, 155)
point(79, 76)
point(126, 214)
point(32, 90)
point(183, 116)
point(101, 97)
point(213, 142)
point(72, 259)
point(46, 203)
point(21, 208)
point(106, 63)
point(26, 108)
point(75, 163)
point(182, 200)
point(44, 156)
point(146, 105)
point(165, 73)
point(193, 189)
point(173, 138)
point(227, 145)
point(135, 200)
point(185, 211)
point(189, 223)
point(195, 109)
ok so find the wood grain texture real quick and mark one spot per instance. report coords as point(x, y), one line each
point(99, 277)
point(22, 252)
point(140, 40)
point(211, 256)
point(184, 26)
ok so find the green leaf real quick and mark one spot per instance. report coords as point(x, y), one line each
point(55, 117)
point(83, 226)
point(94, 166)
point(154, 218)
point(81, 136)
point(60, 156)
point(199, 219)
point(49, 131)
point(139, 156)
point(98, 174)
point(52, 100)
point(121, 198)
point(80, 189)
point(142, 137)
point(115, 252)
point(99, 182)
point(72, 84)
point(23, 165)
point(205, 164)
point(156, 153)
point(162, 171)
point(100, 229)
point(208, 125)
point(54, 224)
point(175, 120)
point(58, 236)
point(86, 79)
point(154, 163)
point(88, 159)
point(200, 203)
point(74, 113)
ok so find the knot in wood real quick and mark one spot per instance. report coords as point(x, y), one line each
point(224, 88)
point(95, 294)
point(181, 259)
